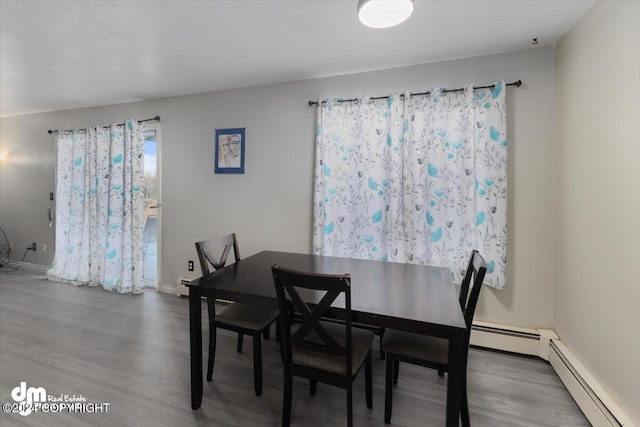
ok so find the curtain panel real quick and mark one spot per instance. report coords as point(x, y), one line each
point(418, 179)
point(99, 208)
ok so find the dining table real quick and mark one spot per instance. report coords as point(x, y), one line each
point(410, 297)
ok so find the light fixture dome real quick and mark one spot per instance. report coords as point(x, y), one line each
point(384, 13)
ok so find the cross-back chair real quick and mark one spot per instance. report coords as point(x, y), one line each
point(245, 319)
point(321, 351)
point(432, 352)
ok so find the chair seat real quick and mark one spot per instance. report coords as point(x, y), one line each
point(433, 352)
point(416, 346)
point(361, 344)
point(246, 316)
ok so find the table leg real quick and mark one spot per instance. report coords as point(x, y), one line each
point(454, 380)
point(195, 335)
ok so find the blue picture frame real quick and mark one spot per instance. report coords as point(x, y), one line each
point(230, 150)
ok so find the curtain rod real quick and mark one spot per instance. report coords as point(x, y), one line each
point(516, 84)
point(156, 118)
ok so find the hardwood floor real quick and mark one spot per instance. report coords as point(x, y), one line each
point(133, 352)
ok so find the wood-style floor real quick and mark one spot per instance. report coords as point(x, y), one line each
point(133, 352)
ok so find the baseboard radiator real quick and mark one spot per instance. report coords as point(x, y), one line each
point(181, 289)
point(181, 286)
point(594, 402)
point(597, 406)
point(506, 338)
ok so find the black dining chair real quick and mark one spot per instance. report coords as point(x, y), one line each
point(245, 319)
point(321, 351)
point(433, 352)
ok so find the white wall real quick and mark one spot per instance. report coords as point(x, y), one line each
point(270, 205)
point(26, 178)
point(597, 191)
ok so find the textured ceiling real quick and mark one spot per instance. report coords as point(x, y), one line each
point(57, 55)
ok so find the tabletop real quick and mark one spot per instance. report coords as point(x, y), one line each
point(382, 293)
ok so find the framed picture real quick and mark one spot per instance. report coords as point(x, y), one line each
point(230, 150)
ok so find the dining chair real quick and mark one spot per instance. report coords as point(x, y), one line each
point(245, 319)
point(433, 352)
point(321, 351)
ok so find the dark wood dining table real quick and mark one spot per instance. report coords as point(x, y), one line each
point(410, 297)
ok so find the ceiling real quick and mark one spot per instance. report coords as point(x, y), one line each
point(57, 55)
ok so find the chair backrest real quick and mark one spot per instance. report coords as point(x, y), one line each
point(472, 281)
point(207, 250)
point(311, 334)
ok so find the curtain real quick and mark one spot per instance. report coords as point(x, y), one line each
point(418, 179)
point(99, 204)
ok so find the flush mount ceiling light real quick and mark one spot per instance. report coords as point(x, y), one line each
point(384, 13)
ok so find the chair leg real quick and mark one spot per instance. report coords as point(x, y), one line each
point(388, 389)
point(257, 364)
point(464, 410)
point(350, 405)
point(286, 400)
point(396, 371)
point(367, 380)
point(381, 335)
point(212, 337)
point(266, 332)
point(313, 387)
point(278, 332)
point(281, 351)
point(240, 339)
point(464, 403)
point(212, 351)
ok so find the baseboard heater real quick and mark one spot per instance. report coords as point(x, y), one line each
point(183, 290)
point(506, 338)
point(594, 402)
point(181, 286)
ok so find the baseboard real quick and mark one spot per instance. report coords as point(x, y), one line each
point(28, 266)
point(167, 289)
point(594, 402)
point(597, 406)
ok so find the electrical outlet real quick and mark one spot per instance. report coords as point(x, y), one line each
point(11, 246)
point(44, 247)
point(190, 264)
point(32, 247)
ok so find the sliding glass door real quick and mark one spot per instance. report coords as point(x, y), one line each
point(152, 205)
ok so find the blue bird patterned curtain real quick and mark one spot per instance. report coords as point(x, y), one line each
point(99, 207)
point(417, 179)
